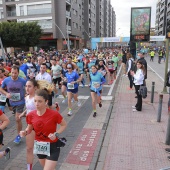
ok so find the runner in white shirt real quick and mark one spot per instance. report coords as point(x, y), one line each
point(56, 73)
point(43, 75)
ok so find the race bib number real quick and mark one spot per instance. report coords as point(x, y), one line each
point(95, 85)
point(70, 86)
point(15, 97)
point(42, 148)
point(2, 98)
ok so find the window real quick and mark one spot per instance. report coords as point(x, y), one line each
point(21, 10)
point(39, 9)
point(79, 17)
point(74, 12)
point(44, 24)
point(79, 6)
point(75, 25)
point(80, 28)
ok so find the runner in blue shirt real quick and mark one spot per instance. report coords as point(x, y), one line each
point(72, 86)
point(16, 94)
point(96, 82)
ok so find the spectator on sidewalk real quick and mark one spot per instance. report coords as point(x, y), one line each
point(142, 59)
point(129, 66)
point(138, 81)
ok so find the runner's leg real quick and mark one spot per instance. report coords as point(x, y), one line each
point(30, 145)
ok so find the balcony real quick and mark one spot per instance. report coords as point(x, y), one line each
point(9, 0)
point(68, 14)
point(68, 28)
point(11, 13)
point(39, 11)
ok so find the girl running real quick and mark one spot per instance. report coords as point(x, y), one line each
point(97, 80)
point(31, 87)
point(44, 121)
point(72, 86)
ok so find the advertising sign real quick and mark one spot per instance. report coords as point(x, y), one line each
point(140, 24)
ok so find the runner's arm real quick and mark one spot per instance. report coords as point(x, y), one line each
point(5, 121)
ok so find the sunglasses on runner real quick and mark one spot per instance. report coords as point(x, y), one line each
point(69, 68)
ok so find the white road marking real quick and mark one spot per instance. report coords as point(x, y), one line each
point(155, 72)
point(107, 97)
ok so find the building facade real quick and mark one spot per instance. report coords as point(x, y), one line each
point(162, 16)
point(66, 23)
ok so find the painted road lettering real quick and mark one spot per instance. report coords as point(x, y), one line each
point(84, 147)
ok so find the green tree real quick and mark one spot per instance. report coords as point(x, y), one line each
point(21, 34)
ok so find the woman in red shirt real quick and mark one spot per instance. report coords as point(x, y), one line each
point(44, 122)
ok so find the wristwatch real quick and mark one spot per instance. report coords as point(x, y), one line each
point(57, 134)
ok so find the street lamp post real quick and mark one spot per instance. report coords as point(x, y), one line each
point(167, 57)
point(59, 30)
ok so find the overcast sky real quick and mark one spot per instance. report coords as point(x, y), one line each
point(122, 9)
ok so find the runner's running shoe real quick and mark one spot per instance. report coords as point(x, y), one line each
point(7, 153)
point(69, 113)
point(17, 139)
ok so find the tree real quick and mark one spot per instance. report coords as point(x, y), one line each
point(21, 34)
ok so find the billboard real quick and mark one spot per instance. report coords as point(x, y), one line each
point(140, 24)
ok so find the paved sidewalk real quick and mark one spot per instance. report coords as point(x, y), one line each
point(134, 140)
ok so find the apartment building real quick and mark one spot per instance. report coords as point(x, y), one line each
point(162, 15)
point(65, 23)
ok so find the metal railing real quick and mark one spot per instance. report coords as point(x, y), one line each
point(11, 13)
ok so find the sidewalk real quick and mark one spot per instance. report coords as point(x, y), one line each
point(134, 140)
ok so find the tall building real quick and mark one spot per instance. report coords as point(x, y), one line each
point(162, 15)
point(65, 23)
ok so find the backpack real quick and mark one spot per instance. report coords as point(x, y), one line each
point(168, 79)
point(143, 91)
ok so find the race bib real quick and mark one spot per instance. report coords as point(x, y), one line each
point(95, 85)
point(15, 97)
point(70, 86)
point(110, 67)
point(2, 98)
point(42, 148)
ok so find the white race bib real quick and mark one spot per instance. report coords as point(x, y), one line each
point(110, 67)
point(42, 148)
point(2, 98)
point(70, 86)
point(15, 97)
point(95, 85)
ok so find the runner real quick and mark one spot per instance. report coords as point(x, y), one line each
point(56, 74)
point(43, 75)
point(16, 93)
point(2, 97)
point(63, 82)
point(81, 65)
point(72, 86)
point(44, 121)
point(110, 66)
point(31, 87)
point(97, 80)
point(5, 122)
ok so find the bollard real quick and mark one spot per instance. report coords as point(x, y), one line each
point(152, 91)
point(160, 108)
point(167, 142)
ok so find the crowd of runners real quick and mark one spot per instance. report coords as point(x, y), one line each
point(30, 81)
